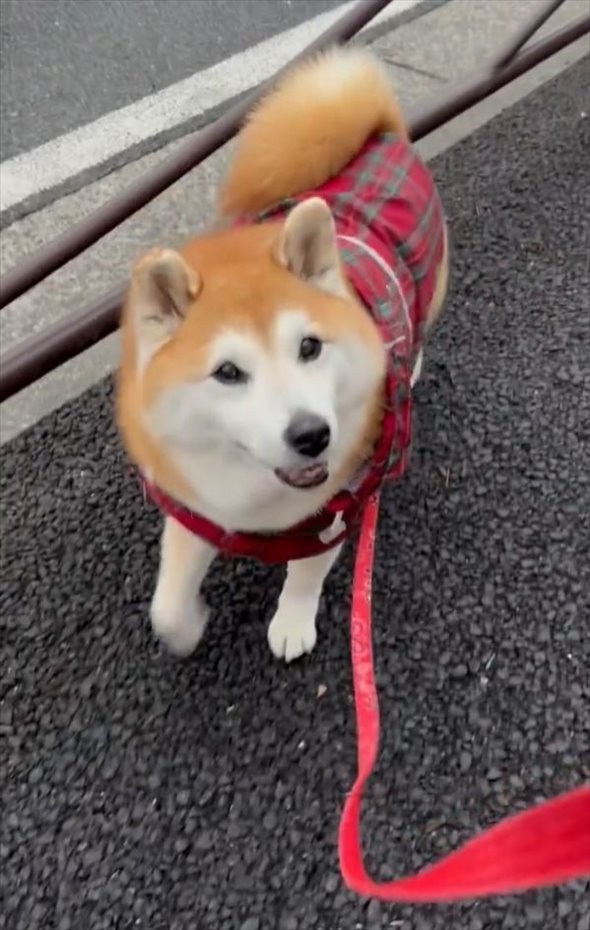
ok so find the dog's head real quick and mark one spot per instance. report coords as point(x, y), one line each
point(250, 343)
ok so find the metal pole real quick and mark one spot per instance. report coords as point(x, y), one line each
point(41, 353)
point(528, 29)
point(470, 91)
point(199, 145)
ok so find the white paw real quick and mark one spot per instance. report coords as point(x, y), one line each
point(292, 631)
point(180, 627)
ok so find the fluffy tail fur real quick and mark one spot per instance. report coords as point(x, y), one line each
point(308, 128)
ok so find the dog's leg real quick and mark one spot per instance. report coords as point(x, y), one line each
point(417, 370)
point(292, 629)
point(178, 614)
point(440, 292)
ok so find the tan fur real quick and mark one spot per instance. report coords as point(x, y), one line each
point(321, 123)
point(441, 286)
point(309, 128)
point(303, 133)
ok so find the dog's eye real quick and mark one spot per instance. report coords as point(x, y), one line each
point(228, 373)
point(309, 349)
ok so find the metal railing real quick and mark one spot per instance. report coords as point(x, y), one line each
point(41, 353)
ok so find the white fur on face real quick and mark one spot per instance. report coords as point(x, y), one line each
point(254, 416)
point(230, 437)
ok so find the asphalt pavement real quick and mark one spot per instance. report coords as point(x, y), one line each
point(63, 63)
point(141, 792)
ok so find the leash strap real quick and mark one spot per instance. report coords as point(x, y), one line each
point(544, 845)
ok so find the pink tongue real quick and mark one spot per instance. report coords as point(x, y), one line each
point(310, 472)
point(301, 477)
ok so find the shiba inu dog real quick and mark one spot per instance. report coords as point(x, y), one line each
point(265, 383)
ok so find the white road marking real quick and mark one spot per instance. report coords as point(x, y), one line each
point(49, 165)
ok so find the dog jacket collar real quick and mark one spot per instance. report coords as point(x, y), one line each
point(390, 233)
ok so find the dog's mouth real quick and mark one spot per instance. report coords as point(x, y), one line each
point(310, 477)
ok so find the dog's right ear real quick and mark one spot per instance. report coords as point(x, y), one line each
point(307, 247)
point(162, 288)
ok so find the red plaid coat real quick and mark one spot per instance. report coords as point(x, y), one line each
point(390, 229)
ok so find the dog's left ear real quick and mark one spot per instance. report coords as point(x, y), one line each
point(307, 247)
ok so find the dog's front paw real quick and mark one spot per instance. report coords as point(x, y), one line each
point(292, 631)
point(180, 627)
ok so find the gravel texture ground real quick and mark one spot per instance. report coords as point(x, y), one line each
point(140, 792)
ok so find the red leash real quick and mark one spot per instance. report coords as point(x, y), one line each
point(545, 845)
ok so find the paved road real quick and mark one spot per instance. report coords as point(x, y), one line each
point(67, 62)
point(139, 792)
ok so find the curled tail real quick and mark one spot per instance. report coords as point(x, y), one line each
point(308, 128)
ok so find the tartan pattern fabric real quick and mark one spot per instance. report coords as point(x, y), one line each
point(390, 229)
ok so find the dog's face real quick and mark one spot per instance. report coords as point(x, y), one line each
point(253, 348)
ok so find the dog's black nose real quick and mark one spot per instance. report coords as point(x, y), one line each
point(307, 434)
